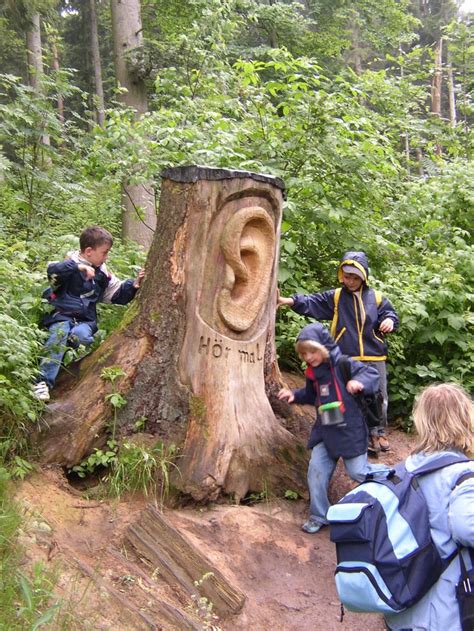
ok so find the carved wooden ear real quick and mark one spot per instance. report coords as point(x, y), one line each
point(248, 246)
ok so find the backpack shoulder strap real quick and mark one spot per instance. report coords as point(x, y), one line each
point(378, 297)
point(337, 296)
point(463, 478)
point(443, 461)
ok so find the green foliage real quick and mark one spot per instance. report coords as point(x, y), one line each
point(20, 344)
point(98, 459)
point(204, 608)
point(144, 469)
point(26, 602)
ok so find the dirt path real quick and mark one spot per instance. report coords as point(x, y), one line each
point(287, 575)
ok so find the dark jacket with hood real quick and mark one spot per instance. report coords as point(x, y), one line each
point(355, 325)
point(325, 384)
point(75, 298)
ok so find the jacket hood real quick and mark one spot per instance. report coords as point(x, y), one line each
point(76, 256)
point(355, 259)
point(316, 332)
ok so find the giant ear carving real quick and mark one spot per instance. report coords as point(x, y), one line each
point(248, 246)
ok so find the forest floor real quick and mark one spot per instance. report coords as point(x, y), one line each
point(285, 574)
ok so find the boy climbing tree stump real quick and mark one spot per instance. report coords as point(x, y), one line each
point(197, 348)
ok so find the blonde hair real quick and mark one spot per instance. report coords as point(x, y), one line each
point(304, 346)
point(444, 419)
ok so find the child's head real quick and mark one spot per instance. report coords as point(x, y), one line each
point(313, 353)
point(95, 244)
point(314, 344)
point(444, 419)
point(353, 270)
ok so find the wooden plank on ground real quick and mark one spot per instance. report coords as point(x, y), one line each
point(180, 562)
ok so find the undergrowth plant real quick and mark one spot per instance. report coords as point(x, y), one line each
point(27, 601)
point(204, 608)
point(144, 469)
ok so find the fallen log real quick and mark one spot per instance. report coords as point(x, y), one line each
point(180, 563)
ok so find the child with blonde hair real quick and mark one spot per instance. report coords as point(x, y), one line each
point(444, 420)
point(340, 430)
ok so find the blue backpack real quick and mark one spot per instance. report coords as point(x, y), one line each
point(386, 558)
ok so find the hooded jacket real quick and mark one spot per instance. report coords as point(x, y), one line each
point(451, 515)
point(74, 297)
point(358, 315)
point(325, 384)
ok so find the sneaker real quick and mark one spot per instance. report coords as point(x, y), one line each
point(41, 391)
point(73, 341)
point(311, 526)
point(384, 444)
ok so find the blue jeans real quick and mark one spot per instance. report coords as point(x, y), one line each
point(56, 346)
point(320, 470)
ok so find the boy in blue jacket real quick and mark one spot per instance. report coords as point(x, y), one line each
point(360, 318)
point(77, 284)
point(340, 430)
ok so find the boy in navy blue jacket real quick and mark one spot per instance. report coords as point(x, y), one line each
point(360, 318)
point(77, 284)
point(340, 430)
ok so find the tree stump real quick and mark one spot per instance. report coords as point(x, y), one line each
point(197, 345)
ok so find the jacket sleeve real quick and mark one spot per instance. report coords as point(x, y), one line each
point(319, 306)
point(118, 292)
point(306, 395)
point(367, 375)
point(385, 310)
point(59, 271)
point(461, 513)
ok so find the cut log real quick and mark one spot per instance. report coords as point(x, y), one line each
point(170, 618)
point(197, 345)
point(180, 563)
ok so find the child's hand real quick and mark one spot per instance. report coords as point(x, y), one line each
point(138, 280)
point(386, 326)
point(353, 386)
point(281, 300)
point(87, 270)
point(287, 394)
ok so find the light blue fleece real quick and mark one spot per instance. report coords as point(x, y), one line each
point(451, 512)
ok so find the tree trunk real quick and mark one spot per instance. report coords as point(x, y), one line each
point(198, 350)
point(436, 85)
point(131, 70)
point(96, 63)
point(419, 161)
point(451, 91)
point(34, 53)
point(60, 99)
point(436, 82)
point(34, 56)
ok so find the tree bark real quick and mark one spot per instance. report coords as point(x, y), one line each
point(131, 70)
point(451, 91)
point(436, 83)
point(96, 64)
point(34, 53)
point(436, 86)
point(55, 64)
point(198, 348)
point(181, 564)
point(34, 56)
